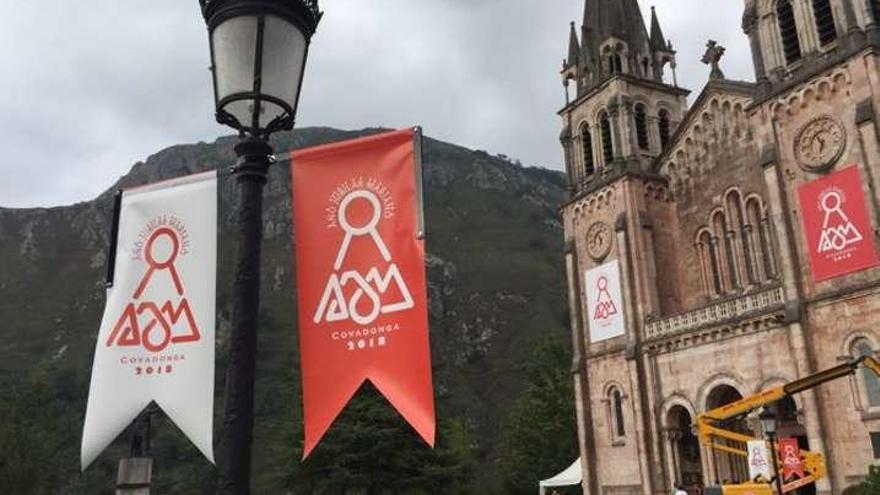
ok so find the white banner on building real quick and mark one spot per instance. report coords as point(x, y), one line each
point(604, 302)
point(759, 460)
point(156, 341)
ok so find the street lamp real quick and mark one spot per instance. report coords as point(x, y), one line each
point(258, 55)
point(768, 424)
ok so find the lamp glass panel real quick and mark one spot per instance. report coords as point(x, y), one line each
point(234, 45)
point(284, 51)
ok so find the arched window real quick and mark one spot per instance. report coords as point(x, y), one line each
point(587, 143)
point(641, 126)
point(664, 128)
point(618, 429)
point(870, 381)
point(607, 141)
point(615, 66)
point(729, 278)
point(741, 242)
point(824, 21)
point(707, 247)
point(758, 227)
point(791, 45)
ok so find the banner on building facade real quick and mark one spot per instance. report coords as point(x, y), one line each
point(604, 302)
point(759, 460)
point(790, 455)
point(156, 340)
point(360, 263)
point(837, 225)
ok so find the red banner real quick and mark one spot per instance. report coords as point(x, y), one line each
point(360, 257)
point(837, 225)
point(790, 456)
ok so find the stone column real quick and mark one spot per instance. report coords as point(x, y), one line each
point(654, 145)
point(566, 142)
point(628, 129)
point(788, 266)
point(767, 26)
point(629, 294)
point(750, 27)
point(598, 151)
point(616, 131)
point(806, 26)
point(870, 150)
point(738, 256)
point(718, 256)
point(580, 375)
point(872, 27)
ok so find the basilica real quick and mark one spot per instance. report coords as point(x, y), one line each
point(718, 248)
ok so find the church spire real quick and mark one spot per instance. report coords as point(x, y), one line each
point(658, 42)
point(614, 39)
point(574, 47)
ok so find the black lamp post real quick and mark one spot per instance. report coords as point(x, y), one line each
point(258, 55)
point(768, 423)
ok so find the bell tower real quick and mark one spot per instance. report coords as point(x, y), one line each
point(621, 111)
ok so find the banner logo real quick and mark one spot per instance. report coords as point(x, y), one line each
point(165, 322)
point(759, 464)
point(360, 270)
point(605, 307)
point(792, 465)
point(837, 226)
point(838, 231)
point(156, 340)
point(604, 302)
point(334, 306)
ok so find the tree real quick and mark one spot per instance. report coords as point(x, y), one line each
point(371, 450)
point(871, 486)
point(539, 434)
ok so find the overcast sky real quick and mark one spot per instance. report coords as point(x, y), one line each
point(89, 88)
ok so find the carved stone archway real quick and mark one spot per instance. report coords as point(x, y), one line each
point(684, 449)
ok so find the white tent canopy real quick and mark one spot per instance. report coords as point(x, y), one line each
point(571, 476)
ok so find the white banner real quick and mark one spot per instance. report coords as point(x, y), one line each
point(156, 341)
point(759, 460)
point(604, 302)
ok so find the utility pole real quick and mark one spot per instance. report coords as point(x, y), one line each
point(135, 474)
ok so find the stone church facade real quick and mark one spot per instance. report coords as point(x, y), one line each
point(698, 207)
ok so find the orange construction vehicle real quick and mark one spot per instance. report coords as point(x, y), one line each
point(713, 435)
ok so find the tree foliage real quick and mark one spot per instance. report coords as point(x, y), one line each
point(870, 486)
point(539, 434)
point(371, 450)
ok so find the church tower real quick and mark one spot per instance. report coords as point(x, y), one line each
point(619, 110)
point(622, 110)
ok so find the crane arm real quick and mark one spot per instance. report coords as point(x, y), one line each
point(771, 395)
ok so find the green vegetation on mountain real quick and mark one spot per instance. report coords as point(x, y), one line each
point(496, 294)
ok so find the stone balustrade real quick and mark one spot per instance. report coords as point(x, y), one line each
point(715, 313)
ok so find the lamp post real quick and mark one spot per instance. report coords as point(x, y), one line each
point(258, 55)
point(768, 423)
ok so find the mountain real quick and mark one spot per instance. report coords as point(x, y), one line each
point(496, 291)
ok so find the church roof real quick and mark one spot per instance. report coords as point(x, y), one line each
point(621, 19)
point(741, 88)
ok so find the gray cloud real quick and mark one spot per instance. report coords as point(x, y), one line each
point(86, 92)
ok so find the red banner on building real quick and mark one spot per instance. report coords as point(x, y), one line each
point(790, 455)
point(837, 225)
point(360, 257)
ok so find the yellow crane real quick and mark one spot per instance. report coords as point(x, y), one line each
point(710, 432)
